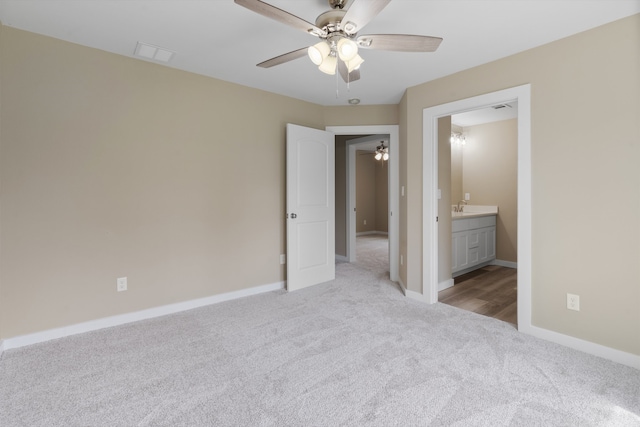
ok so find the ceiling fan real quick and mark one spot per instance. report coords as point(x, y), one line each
point(338, 29)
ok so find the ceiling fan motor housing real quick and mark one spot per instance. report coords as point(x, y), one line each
point(330, 21)
point(337, 4)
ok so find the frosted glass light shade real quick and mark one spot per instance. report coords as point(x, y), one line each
point(329, 64)
point(347, 49)
point(354, 63)
point(378, 156)
point(385, 156)
point(318, 52)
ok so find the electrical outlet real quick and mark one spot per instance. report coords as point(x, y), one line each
point(467, 196)
point(573, 302)
point(121, 284)
point(283, 259)
point(401, 259)
point(365, 222)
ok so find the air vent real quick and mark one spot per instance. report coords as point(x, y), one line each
point(499, 106)
point(154, 53)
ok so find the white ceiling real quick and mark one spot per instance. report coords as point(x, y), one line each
point(220, 39)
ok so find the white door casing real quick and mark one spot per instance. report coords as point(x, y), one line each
point(394, 178)
point(521, 94)
point(310, 207)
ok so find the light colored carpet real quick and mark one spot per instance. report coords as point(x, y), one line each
point(351, 352)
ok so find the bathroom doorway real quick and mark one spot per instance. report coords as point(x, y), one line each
point(483, 160)
point(431, 250)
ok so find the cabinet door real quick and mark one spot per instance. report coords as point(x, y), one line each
point(482, 245)
point(491, 243)
point(460, 252)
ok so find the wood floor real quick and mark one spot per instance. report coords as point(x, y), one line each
point(491, 291)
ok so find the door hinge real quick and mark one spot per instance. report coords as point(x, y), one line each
point(436, 219)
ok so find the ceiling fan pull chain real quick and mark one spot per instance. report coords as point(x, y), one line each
point(337, 82)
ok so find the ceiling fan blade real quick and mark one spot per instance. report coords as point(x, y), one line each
point(347, 76)
point(284, 58)
point(360, 13)
point(399, 42)
point(265, 9)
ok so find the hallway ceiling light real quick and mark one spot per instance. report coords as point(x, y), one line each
point(382, 152)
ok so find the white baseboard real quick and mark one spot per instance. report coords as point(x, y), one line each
point(417, 296)
point(342, 258)
point(107, 322)
point(599, 350)
point(501, 263)
point(445, 285)
point(369, 233)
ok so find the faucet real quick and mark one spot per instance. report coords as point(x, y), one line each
point(460, 208)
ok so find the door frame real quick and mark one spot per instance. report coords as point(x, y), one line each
point(521, 94)
point(394, 179)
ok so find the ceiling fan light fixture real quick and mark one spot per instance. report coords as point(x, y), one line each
point(347, 49)
point(354, 63)
point(378, 156)
point(319, 52)
point(329, 64)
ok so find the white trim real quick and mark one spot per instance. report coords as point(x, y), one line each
point(394, 179)
point(608, 353)
point(342, 258)
point(416, 296)
point(370, 233)
point(522, 94)
point(445, 285)
point(1, 348)
point(121, 319)
point(501, 263)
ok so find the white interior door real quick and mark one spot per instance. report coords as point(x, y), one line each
point(310, 207)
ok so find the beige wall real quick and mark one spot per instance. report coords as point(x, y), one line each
point(361, 115)
point(456, 169)
point(118, 167)
point(382, 195)
point(372, 194)
point(365, 192)
point(490, 175)
point(585, 106)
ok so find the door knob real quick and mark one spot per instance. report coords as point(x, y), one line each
point(294, 216)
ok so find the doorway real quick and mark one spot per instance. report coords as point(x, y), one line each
point(522, 95)
point(368, 204)
point(393, 220)
point(482, 155)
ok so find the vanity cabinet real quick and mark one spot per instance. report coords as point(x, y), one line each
point(473, 242)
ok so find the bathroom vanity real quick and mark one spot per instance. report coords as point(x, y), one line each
point(473, 234)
